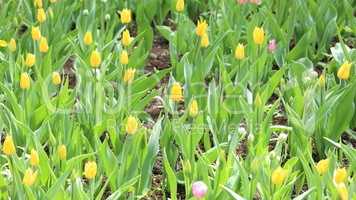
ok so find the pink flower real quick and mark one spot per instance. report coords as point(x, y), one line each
point(272, 46)
point(199, 189)
point(257, 2)
point(242, 1)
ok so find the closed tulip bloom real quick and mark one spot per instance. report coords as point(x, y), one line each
point(129, 75)
point(90, 170)
point(8, 146)
point(258, 35)
point(258, 100)
point(36, 33)
point(279, 175)
point(126, 38)
point(41, 15)
point(344, 71)
point(193, 108)
point(340, 175)
point(342, 191)
point(199, 189)
point(29, 177)
point(131, 125)
point(25, 81)
point(180, 5)
point(95, 59)
point(30, 60)
point(272, 46)
point(38, 3)
point(88, 38)
point(240, 52)
point(43, 45)
point(12, 45)
point(56, 78)
point(322, 80)
point(62, 152)
point(176, 94)
point(322, 166)
point(34, 159)
point(201, 28)
point(204, 42)
point(125, 16)
point(124, 57)
point(3, 43)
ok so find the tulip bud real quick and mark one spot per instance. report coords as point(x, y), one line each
point(240, 52)
point(125, 16)
point(12, 45)
point(201, 28)
point(176, 94)
point(34, 159)
point(321, 81)
point(272, 46)
point(95, 59)
point(88, 38)
point(180, 5)
point(279, 175)
point(56, 78)
point(258, 35)
point(340, 175)
point(25, 81)
point(322, 166)
point(129, 75)
point(125, 38)
point(90, 170)
point(43, 45)
point(30, 60)
point(204, 42)
point(62, 152)
point(199, 189)
point(193, 108)
point(29, 177)
point(124, 57)
point(344, 71)
point(3, 43)
point(342, 191)
point(131, 125)
point(8, 146)
point(36, 33)
point(41, 15)
point(38, 3)
point(258, 100)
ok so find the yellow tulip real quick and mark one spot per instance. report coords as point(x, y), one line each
point(279, 175)
point(125, 16)
point(56, 78)
point(204, 42)
point(90, 169)
point(180, 5)
point(258, 100)
point(322, 166)
point(201, 28)
point(258, 35)
point(8, 146)
point(38, 3)
point(340, 175)
point(176, 94)
point(36, 33)
point(344, 71)
point(30, 60)
point(342, 190)
point(43, 45)
point(322, 81)
point(25, 81)
point(193, 108)
point(131, 125)
point(129, 75)
point(34, 159)
point(240, 52)
point(62, 152)
point(126, 38)
point(88, 38)
point(29, 177)
point(3, 43)
point(95, 59)
point(41, 15)
point(12, 45)
point(124, 57)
